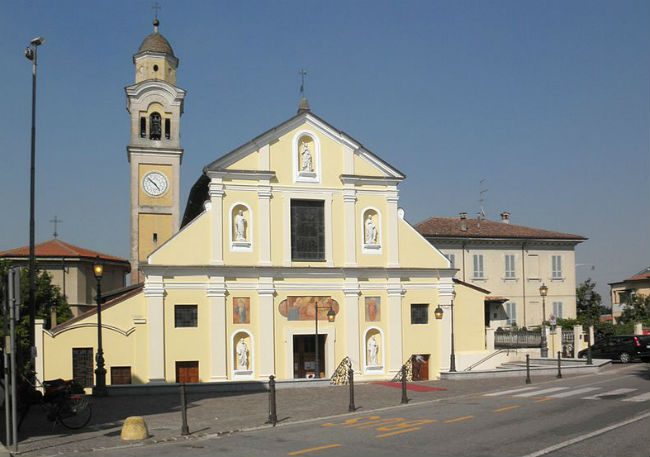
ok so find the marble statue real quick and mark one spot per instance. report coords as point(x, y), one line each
point(306, 158)
point(373, 348)
point(242, 355)
point(371, 231)
point(240, 226)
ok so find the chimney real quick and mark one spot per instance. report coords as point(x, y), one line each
point(463, 221)
point(52, 317)
point(505, 217)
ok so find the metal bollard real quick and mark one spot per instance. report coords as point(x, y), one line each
point(405, 399)
point(273, 415)
point(559, 365)
point(185, 430)
point(527, 369)
point(351, 407)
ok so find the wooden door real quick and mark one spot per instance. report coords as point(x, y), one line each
point(420, 366)
point(187, 372)
point(120, 375)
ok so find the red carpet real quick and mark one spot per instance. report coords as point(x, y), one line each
point(413, 387)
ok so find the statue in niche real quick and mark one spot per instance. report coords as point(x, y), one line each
point(371, 231)
point(242, 355)
point(240, 226)
point(306, 158)
point(373, 349)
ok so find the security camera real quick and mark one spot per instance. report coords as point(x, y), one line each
point(39, 40)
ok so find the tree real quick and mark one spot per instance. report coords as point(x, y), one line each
point(47, 296)
point(589, 311)
point(637, 309)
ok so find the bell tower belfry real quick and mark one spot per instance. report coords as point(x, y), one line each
point(155, 104)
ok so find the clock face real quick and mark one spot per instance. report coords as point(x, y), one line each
point(154, 183)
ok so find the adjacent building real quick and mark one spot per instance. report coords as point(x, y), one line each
point(512, 262)
point(620, 292)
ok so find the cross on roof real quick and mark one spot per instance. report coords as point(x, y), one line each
point(302, 74)
point(56, 221)
point(156, 7)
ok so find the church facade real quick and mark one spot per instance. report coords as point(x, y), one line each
point(293, 254)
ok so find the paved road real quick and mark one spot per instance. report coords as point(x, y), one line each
point(604, 414)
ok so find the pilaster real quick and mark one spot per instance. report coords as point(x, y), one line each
point(216, 294)
point(393, 235)
point(154, 293)
point(266, 342)
point(445, 288)
point(264, 197)
point(352, 331)
point(216, 221)
point(349, 200)
point(395, 343)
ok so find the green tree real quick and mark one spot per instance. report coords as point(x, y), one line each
point(47, 296)
point(589, 311)
point(637, 309)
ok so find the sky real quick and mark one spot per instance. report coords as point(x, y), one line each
point(547, 102)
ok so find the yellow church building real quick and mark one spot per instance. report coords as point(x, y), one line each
point(297, 229)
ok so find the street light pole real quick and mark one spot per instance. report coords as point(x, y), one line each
point(331, 315)
point(99, 389)
point(543, 291)
point(452, 357)
point(31, 53)
point(587, 297)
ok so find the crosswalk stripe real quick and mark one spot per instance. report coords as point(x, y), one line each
point(642, 397)
point(611, 392)
point(571, 393)
point(508, 392)
point(539, 393)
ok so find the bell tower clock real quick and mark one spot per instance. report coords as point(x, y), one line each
point(155, 104)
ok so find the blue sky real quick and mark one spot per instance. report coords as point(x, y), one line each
point(546, 101)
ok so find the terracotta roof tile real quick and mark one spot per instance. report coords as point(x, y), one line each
point(450, 227)
point(58, 248)
point(641, 275)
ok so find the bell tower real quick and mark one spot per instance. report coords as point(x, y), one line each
point(154, 152)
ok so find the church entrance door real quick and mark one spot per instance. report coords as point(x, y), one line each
point(304, 356)
point(187, 372)
point(420, 367)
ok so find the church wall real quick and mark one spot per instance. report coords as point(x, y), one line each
point(249, 162)
point(416, 252)
point(232, 254)
point(469, 319)
point(363, 168)
point(421, 338)
point(188, 246)
point(148, 224)
point(375, 204)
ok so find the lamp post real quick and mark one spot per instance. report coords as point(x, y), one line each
point(99, 389)
point(587, 298)
point(438, 312)
point(543, 291)
point(331, 315)
point(31, 53)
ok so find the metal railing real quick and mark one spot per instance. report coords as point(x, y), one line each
point(341, 375)
point(504, 339)
point(409, 371)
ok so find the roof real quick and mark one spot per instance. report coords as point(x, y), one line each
point(471, 286)
point(56, 248)
point(641, 275)
point(451, 227)
point(156, 42)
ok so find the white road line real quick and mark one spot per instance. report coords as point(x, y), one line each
point(580, 438)
point(611, 392)
point(508, 392)
point(642, 397)
point(571, 393)
point(540, 393)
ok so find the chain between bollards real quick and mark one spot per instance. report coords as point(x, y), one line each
point(185, 430)
point(351, 407)
point(559, 364)
point(527, 369)
point(405, 399)
point(273, 415)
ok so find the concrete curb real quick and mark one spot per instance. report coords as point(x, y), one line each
point(570, 368)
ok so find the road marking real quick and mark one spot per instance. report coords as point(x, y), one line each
point(542, 400)
point(580, 438)
point(408, 430)
point(508, 392)
point(377, 423)
point(507, 408)
point(611, 392)
point(540, 393)
point(464, 418)
point(642, 397)
point(314, 449)
point(570, 393)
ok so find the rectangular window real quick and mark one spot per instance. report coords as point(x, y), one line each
point(82, 366)
point(120, 375)
point(556, 272)
point(557, 309)
point(511, 312)
point(452, 260)
point(307, 230)
point(185, 316)
point(532, 266)
point(510, 266)
point(478, 266)
point(419, 314)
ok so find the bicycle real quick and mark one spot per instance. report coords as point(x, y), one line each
point(63, 402)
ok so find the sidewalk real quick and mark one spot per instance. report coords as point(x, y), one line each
point(215, 413)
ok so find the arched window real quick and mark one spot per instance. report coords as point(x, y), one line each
point(154, 126)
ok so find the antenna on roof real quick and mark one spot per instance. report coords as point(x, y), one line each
point(481, 200)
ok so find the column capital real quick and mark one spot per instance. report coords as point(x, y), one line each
point(216, 190)
point(216, 291)
point(264, 192)
point(395, 292)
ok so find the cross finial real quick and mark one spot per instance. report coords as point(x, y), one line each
point(302, 74)
point(156, 7)
point(56, 221)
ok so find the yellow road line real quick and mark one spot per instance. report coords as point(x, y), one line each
point(541, 400)
point(313, 449)
point(507, 408)
point(464, 418)
point(398, 432)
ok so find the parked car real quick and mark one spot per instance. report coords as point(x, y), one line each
point(621, 347)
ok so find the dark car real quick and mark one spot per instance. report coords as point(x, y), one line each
point(621, 347)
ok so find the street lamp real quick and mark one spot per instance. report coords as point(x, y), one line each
point(331, 315)
point(587, 297)
point(99, 390)
point(438, 314)
point(543, 291)
point(31, 53)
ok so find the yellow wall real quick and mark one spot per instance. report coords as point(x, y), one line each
point(149, 224)
point(469, 319)
point(182, 250)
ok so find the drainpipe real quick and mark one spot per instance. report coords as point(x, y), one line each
point(523, 279)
